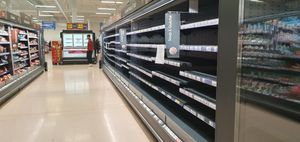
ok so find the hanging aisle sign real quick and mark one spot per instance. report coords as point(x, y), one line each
point(172, 34)
point(123, 38)
point(77, 26)
point(50, 25)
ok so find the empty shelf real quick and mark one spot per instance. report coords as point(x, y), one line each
point(199, 97)
point(200, 77)
point(141, 69)
point(174, 80)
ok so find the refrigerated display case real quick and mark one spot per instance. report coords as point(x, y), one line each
point(173, 88)
point(269, 71)
point(230, 72)
point(75, 46)
point(21, 57)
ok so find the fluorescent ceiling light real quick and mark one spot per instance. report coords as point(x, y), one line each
point(50, 11)
point(78, 16)
point(117, 2)
point(256, 1)
point(34, 18)
point(102, 13)
point(30, 3)
point(46, 15)
point(80, 19)
point(45, 6)
point(106, 9)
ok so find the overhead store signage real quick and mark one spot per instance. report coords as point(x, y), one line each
point(172, 34)
point(14, 18)
point(51, 25)
point(25, 19)
point(77, 26)
point(123, 38)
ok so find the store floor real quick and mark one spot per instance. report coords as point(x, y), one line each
point(73, 103)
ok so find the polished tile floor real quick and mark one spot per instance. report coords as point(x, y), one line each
point(73, 103)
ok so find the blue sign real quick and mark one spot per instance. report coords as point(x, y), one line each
point(51, 25)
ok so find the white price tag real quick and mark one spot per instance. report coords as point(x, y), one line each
point(169, 96)
point(214, 83)
point(160, 55)
point(193, 112)
point(160, 122)
point(188, 94)
point(201, 117)
point(155, 117)
point(181, 73)
point(177, 101)
point(198, 78)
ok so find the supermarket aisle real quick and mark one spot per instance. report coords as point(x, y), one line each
point(70, 104)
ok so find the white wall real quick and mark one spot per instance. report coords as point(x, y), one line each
point(94, 26)
point(54, 35)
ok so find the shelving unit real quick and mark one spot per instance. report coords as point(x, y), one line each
point(74, 44)
point(17, 68)
point(212, 73)
point(181, 90)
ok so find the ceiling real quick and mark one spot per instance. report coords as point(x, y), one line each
point(84, 9)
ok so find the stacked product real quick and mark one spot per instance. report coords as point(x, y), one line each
point(34, 52)
point(5, 69)
point(21, 58)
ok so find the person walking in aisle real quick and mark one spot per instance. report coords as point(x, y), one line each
point(90, 50)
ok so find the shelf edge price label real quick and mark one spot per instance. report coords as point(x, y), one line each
point(172, 34)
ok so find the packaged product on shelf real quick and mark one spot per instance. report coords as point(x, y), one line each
point(1, 49)
point(35, 63)
point(269, 68)
point(32, 34)
point(22, 32)
point(2, 30)
point(33, 42)
point(3, 39)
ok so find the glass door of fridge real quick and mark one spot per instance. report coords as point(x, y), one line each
point(269, 71)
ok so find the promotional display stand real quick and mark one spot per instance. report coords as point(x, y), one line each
point(56, 53)
point(74, 44)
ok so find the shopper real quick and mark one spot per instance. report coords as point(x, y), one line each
point(97, 46)
point(90, 50)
